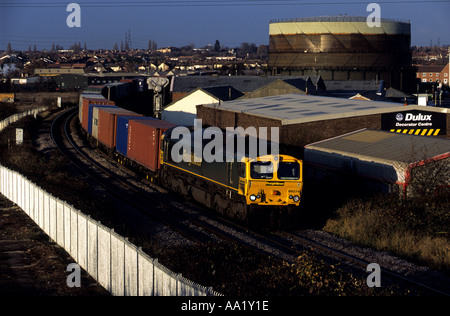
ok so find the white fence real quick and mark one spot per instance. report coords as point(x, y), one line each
point(118, 265)
point(14, 118)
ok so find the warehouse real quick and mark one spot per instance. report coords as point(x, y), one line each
point(184, 110)
point(388, 162)
point(304, 119)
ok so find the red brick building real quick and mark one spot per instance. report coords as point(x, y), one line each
point(434, 73)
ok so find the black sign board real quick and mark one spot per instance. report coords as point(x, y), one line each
point(415, 122)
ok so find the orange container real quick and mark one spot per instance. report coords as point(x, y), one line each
point(85, 109)
point(107, 124)
point(144, 138)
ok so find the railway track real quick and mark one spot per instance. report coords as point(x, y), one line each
point(390, 276)
point(192, 221)
point(149, 203)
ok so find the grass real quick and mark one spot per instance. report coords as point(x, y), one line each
point(6, 110)
point(416, 229)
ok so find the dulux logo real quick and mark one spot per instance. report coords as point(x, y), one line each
point(399, 117)
point(411, 117)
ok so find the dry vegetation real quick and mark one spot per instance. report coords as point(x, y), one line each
point(416, 229)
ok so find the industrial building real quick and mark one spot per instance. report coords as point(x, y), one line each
point(304, 119)
point(385, 162)
point(78, 79)
point(343, 48)
point(182, 85)
point(184, 110)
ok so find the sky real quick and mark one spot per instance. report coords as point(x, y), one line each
point(25, 23)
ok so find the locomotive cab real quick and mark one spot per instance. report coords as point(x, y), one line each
point(273, 180)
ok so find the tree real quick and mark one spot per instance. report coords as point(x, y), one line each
point(152, 45)
point(263, 52)
point(76, 47)
point(246, 49)
point(217, 46)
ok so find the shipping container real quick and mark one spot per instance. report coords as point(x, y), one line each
point(85, 110)
point(122, 131)
point(117, 90)
point(91, 121)
point(107, 122)
point(144, 141)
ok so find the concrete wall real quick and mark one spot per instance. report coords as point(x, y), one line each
point(119, 266)
point(14, 118)
point(116, 264)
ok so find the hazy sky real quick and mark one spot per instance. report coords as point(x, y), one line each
point(179, 23)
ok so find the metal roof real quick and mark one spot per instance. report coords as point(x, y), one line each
point(384, 147)
point(354, 85)
point(241, 83)
point(299, 108)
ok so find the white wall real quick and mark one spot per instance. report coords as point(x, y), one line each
point(115, 263)
point(184, 110)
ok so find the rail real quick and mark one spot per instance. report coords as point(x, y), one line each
point(119, 266)
point(342, 18)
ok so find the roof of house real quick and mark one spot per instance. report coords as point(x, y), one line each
point(354, 85)
point(283, 86)
point(394, 93)
point(244, 84)
point(430, 68)
point(223, 93)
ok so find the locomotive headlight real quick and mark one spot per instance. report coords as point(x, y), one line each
point(296, 198)
point(253, 198)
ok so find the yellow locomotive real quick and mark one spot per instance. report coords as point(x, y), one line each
point(264, 189)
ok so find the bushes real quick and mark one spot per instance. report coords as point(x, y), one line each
point(6, 109)
point(415, 229)
point(232, 269)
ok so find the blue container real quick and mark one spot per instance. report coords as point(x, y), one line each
point(122, 131)
point(91, 111)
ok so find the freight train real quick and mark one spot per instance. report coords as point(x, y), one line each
point(263, 190)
